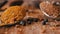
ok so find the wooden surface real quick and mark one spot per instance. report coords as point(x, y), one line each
point(34, 28)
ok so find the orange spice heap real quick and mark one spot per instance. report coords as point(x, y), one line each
point(12, 14)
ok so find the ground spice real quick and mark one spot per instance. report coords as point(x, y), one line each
point(49, 9)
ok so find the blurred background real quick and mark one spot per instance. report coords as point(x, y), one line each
point(4, 4)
